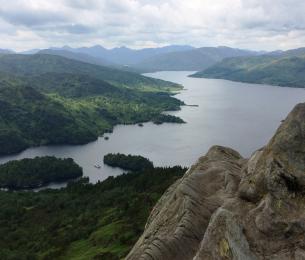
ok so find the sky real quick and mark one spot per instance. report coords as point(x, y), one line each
point(249, 24)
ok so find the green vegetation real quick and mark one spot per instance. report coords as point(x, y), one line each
point(40, 64)
point(162, 118)
point(286, 69)
point(34, 173)
point(32, 118)
point(47, 99)
point(78, 56)
point(83, 221)
point(128, 162)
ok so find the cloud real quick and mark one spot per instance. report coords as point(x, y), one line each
point(254, 24)
point(26, 13)
point(83, 4)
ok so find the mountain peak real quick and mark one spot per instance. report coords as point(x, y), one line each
point(97, 47)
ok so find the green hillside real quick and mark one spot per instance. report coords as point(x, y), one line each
point(83, 221)
point(33, 65)
point(78, 56)
point(41, 104)
point(28, 117)
point(286, 69)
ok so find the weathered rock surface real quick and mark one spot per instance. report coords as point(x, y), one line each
point(227, 207)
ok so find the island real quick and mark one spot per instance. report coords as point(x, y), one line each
point(37, 172)
point(128, 162)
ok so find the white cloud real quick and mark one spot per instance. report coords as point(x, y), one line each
point(255, 24)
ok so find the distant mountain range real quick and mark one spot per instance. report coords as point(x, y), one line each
point(277, 68)
point(192, 60)
point(118, 57)
point(172, 57)
point(284, 68)
point(126, 56)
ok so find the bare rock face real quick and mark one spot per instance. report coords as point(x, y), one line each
point(227, 207)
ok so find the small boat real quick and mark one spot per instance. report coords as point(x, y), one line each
point(97, 166)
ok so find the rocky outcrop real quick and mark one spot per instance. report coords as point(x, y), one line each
point(227, 207)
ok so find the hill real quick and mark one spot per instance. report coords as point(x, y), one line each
point(28, 117)
point(190, 60)
point(282, 69)
point(77, 56)
point(46, 99)
point(37, 64)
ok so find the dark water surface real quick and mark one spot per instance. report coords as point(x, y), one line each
point(239, 115)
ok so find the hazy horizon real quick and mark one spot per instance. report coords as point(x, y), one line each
point(131, 48)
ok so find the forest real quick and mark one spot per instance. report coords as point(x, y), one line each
point(82, 221)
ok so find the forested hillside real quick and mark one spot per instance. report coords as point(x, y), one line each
point(83, 221)
point(46, 99)
point(33, 65)
point(283, 69)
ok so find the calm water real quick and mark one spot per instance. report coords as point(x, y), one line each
point(242, 116)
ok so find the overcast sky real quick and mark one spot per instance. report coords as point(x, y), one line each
point(252, 24)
